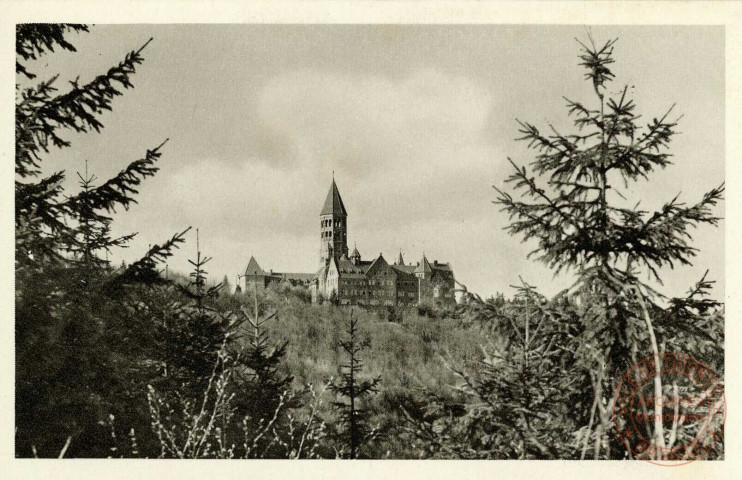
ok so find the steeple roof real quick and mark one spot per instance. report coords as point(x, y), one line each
point(400, 260)
point(253, 268)
point(379, 260)
point(423, 266)
point(333, 203)
point(355, 252)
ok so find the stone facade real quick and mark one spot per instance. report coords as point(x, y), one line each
point(349, 280)
point(256, 277)
point(378, 283)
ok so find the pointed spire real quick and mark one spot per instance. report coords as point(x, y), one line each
point(253, 268)
point(333, 203)
point(400, 260)
point(423, 266)
point(355, 256)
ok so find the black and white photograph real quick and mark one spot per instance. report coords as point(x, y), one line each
point(348, 241)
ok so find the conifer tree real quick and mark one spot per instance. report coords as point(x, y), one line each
point(522, 396)
point(261, 392)
point(94, 228)
point(356, 433)
point(48, 227)
point(266, 384)
point(195, 332)
point(244, 402)
point(572, 206)
point(73, 357)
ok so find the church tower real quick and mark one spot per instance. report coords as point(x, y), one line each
point(423, 269)
point(333, 226)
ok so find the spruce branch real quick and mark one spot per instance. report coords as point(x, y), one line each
point(34, 40)
point(144, 270)
point(39, 116)
point(120, 189)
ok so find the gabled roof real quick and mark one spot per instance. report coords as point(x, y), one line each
point(423, 266)
point(253, 268)
point(406, 272)
point(333, 203)
point(333, 261)
point(346, 266)
point(379, 264)
point(404, 268)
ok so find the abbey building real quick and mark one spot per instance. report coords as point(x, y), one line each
point(346, 278)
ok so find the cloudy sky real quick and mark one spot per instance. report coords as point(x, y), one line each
point(417, 123)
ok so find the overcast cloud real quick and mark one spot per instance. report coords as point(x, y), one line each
point(416, 122)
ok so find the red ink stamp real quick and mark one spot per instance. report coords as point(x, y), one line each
point(670, 410)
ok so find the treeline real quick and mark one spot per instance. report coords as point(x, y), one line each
point(130, 362)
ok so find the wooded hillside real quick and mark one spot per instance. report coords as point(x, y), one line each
point(126, 361)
